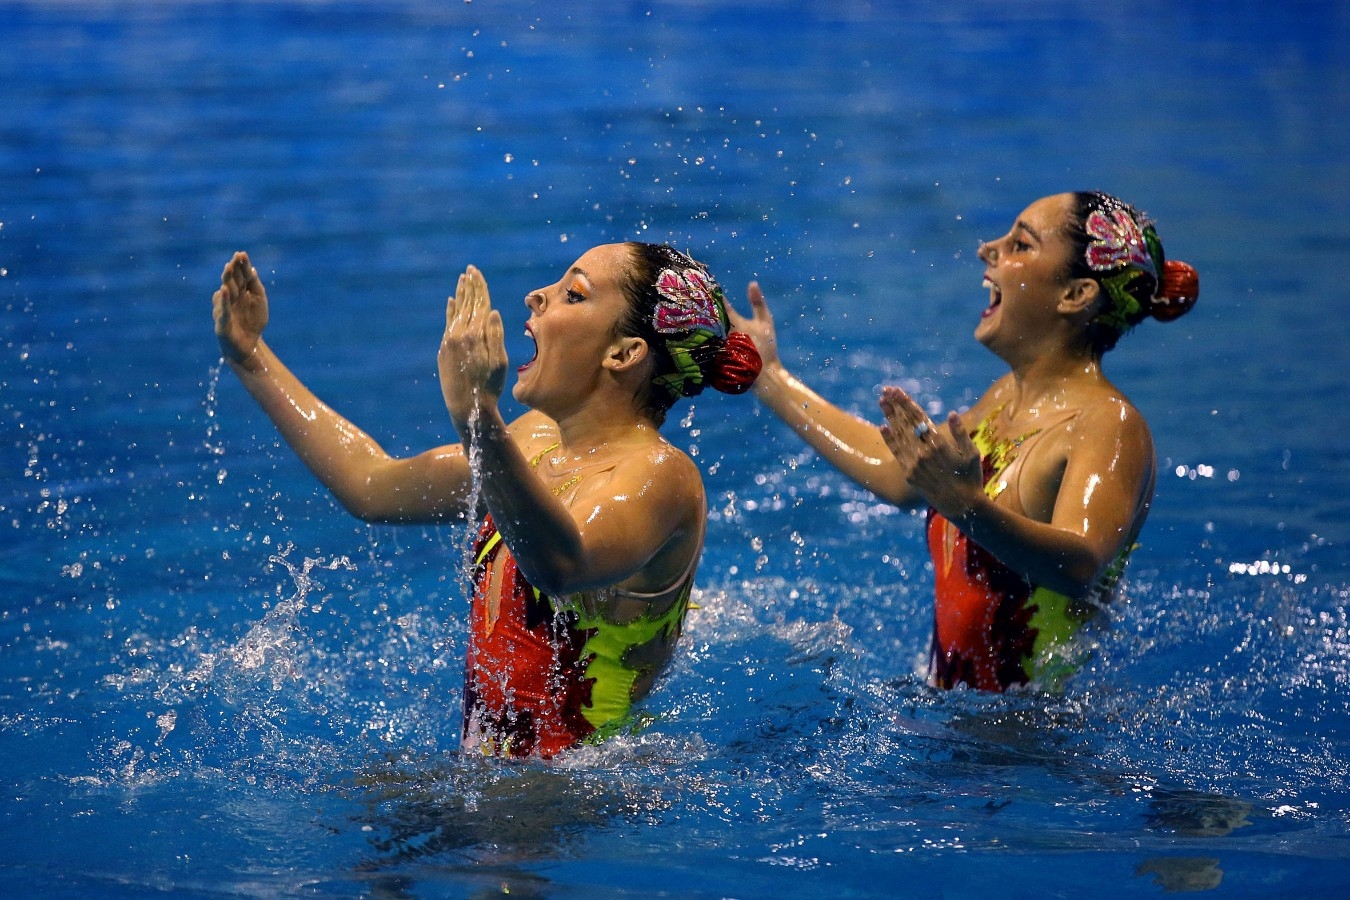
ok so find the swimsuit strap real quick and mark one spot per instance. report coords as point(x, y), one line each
point(686, 576)
point(997, 453)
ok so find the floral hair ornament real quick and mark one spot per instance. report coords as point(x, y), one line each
point(690, 313)
point(688, 303)
point(1117, 242)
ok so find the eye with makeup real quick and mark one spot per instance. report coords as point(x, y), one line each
point(576, 293)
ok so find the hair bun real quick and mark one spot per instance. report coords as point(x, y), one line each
point(736, 365)
point(1178, 293)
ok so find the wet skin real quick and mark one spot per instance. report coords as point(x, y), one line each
point(1078, 492)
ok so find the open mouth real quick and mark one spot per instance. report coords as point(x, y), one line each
point(534, 344)
point(995, 297)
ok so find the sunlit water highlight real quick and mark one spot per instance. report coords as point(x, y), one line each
point(214, 682)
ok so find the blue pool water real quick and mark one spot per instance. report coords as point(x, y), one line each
point(214, 683)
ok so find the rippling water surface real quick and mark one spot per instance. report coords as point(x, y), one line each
point(213, 682)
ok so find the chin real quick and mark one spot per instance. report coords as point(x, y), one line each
point(983, 332)
point(520, 393)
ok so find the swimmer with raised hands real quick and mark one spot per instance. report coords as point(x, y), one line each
point(591, 522)
point(1036, 494)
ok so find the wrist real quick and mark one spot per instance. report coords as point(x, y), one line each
point(478, 412)
point(249, 363)
point(772, 376)
point(964, 510)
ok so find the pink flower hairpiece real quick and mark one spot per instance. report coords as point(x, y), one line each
point(688, 303)
point(1116, 241)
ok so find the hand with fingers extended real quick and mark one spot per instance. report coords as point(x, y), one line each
point(240, 310)
point(759, 326)
point(472, 357)
point(942, 465)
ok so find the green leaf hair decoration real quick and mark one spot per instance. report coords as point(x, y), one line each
point(1124, 309)
point(1155, 251)
point(691, 312)
point(687, 370)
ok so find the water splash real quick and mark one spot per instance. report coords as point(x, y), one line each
point(241, 702)
point(274, 647)
point(215, 447)
point(473, 445)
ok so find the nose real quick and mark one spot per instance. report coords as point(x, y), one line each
point(988, 252)
point(535, 301)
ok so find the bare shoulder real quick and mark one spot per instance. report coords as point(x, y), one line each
point(1110, 409)
point(661, 477)
point(533, 431)
point(667, 463)
point(1107, 417)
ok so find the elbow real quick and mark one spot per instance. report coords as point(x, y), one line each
point(549, 588)
point(379, 504)
point(555, 582)
point(1076, 588)
point(558, 575)
point(359, 511)
point(365, 509)
point(1078, 578)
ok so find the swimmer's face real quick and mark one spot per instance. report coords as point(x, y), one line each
point(1026, 275)
point(573, 323)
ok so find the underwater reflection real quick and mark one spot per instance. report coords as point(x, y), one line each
point(1179, 874)
point(493, 884)
point(1015, 749)
point(479, 819)
point(1197, 814)
point(1191, 814)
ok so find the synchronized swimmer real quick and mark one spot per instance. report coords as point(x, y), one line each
point(591, 522)
point(1037, 493)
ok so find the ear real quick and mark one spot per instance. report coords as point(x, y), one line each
point(625, 353)
point(1080, 295)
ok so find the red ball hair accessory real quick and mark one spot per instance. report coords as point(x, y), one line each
point(1178, 293)
point(736, 365)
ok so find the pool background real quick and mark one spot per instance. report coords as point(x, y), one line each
point(213, 682)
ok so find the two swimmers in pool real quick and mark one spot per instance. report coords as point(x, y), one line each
point(591, 523)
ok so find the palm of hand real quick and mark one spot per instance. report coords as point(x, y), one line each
point(240, 308)
point(759, 326)
point(472, 357)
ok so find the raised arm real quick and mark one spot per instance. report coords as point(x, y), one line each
point(852, 445)
point(1098, 506)
point(370, 484)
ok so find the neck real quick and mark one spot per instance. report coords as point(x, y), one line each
point(1038, 381)
point(598, 425)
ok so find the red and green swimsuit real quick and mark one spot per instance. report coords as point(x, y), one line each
point(543, 674)
point(992, 628)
